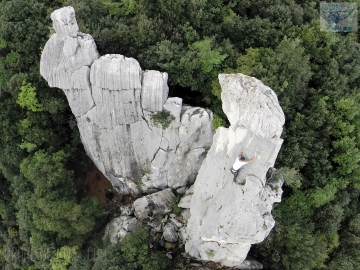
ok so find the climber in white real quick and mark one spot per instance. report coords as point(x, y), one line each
point(239, 162)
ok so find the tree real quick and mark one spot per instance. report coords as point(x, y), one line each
point(135, 248)
point(293, 243)
point(63, 257)
point(27, 98)
point(112, 258)
point(53, 205)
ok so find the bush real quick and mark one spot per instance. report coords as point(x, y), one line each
point(163, 118)
point(135, 248)
point(112, 258)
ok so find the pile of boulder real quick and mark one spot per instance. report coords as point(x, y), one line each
point(158, 211)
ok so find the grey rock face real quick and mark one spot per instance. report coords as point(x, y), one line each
point(155, 90)
point(115, 103)
point(64, 22)
point(170, 232)
point(250, 264)
point(226, 217)
point(126, 210)
point(117, 228)
point(247, 102)
point(162, 204)
point(66, 59)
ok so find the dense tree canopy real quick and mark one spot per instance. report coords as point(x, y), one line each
point(315, 74)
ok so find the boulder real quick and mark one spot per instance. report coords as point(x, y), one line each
point(250, 264)
point(185, 214)
point(143, 142)
point(181, 190)
point(170, 232)
point(185, 201)
point(159, 203)
point(117, 228)
point(126, 210)
point(156, 223)
point(176, 222)
point(227, 217)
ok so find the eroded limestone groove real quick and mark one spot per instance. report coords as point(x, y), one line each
point(115, 102)
point(227, 217)
point(118, 106)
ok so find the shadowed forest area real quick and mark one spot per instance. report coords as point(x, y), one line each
point(49, 218)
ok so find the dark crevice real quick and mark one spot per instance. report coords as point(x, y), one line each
point(188, 96)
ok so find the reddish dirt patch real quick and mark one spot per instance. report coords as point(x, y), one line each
point(97, 185)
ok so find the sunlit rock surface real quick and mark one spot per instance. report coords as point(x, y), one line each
point(115, 102)
point(226, 217)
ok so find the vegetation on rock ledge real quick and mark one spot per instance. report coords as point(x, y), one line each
point(315, 74)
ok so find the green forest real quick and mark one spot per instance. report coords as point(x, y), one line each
point(45, 222)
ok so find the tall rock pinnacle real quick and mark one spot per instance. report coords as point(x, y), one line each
point(117, 105)
point(143, 141)
point(227, 217)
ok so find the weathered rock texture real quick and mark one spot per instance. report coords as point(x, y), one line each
point(118, 228)
point(162, 204)
point(226, 218)
point(114, 102)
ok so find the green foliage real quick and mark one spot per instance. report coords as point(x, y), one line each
point(50, 168)
point(113, 7)
point(210, 253)
point(218, 121)
point(162, 118)
point(63, 257)
point(2, 43)
point(291, 177)
point(12, 233)
point(315, 75)
point(120, 8)
point(11, 59)
point(328, 218)
point(83, 262)
point(321, 196)
point(293, 243)
point(156, 261)
point(216, 88)
point(175, 208)
point(27, 98)
point(111, 258)
point(135, 248)
point(209, 58)
point(28, 146)
point(53, 205)
point(285, 69)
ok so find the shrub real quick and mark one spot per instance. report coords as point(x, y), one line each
point(135, 248)
point(175, 208)
point(163, 118)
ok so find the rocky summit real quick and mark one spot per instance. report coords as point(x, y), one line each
point(145, 142)
point(227, 216)
point(140, 139)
